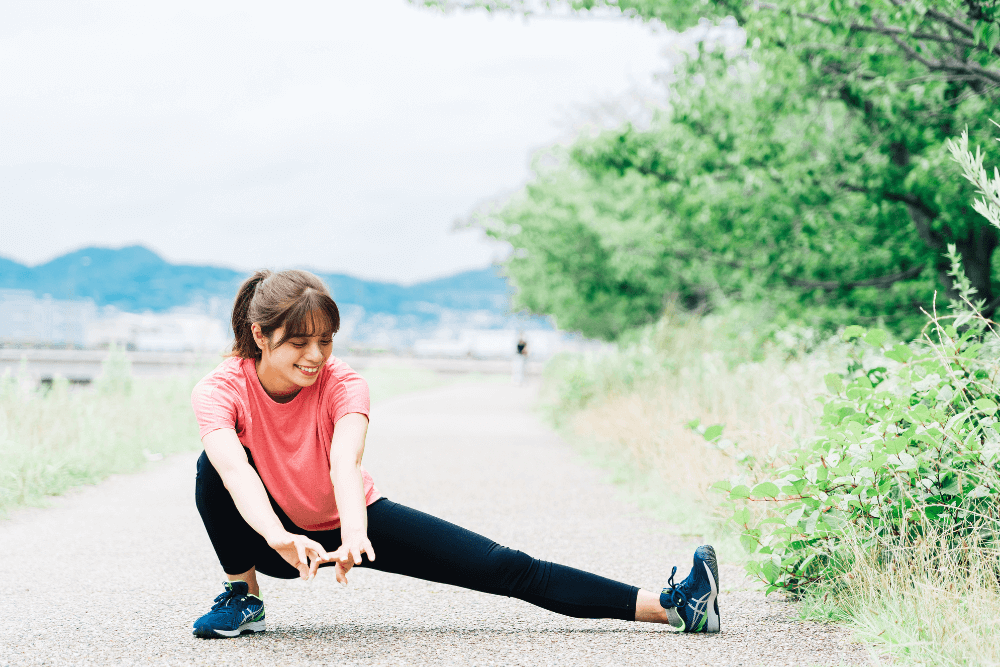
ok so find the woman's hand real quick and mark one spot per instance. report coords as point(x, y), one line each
point(349, 555)
point(303, 554)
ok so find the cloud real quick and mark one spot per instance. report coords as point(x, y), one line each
point(343, 136)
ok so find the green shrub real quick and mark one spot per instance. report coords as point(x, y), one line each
point(908, 447)
point(902, 447)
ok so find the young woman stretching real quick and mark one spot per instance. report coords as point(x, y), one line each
point(281, 489)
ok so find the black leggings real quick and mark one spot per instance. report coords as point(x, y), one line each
point(418, 545)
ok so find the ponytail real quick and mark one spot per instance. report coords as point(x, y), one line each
point(296, 300)
point(243, 343)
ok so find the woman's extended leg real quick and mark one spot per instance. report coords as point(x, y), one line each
point(416, 544)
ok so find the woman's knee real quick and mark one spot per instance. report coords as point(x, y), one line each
point(513, 572)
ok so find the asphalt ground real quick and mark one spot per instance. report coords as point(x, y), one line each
point(115, 574)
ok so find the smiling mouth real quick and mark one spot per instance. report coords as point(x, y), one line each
point(308, 370)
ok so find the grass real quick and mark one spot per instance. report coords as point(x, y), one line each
point(931, 603)
point(934, 603)
point(679, 373)
point(52, 440)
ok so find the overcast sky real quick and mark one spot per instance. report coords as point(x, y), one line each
point(345, 136)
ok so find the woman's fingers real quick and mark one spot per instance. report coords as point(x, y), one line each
point(318, 548)
point(317, 554)
point(341, 574)
point(315, 560)
point(303, 564)
point(369, 550)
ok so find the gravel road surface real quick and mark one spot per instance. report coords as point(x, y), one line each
point(115, 574)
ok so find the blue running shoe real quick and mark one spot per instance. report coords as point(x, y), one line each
point(696, 598)
point(235, 611)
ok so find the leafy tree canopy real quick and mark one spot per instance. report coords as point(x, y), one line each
point(811, 170)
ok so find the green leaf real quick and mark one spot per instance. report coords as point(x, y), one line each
point(986, 406)
point(712, 432)
point(769, 570)
point(876, 337)
point(852, 332)
point(833, 382)
point(900, 353)
point(793, 518)
point(977, 31)
point(991, 36)
point(765, 490)
point(934, 511)
point(748, 543)
point(971, 351)
point(952, 487)
point(740, 492)
point(723, 486)
point(896, 445)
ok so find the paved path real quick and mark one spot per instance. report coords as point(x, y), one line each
point(114, 574)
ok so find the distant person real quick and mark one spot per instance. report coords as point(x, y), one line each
point(520, 361)
point(281, 489)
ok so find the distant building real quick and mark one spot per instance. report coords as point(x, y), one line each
point(159, 332)
point(26, 320)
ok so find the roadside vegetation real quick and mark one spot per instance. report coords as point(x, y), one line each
point(57, 437)
point(859, 472)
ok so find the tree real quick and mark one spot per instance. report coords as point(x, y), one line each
point(733, 193)
point(895, 80)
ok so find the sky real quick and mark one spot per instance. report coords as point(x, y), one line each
point(347, 137)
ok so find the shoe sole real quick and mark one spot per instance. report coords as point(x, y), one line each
point(713, 622)
point(249, 626)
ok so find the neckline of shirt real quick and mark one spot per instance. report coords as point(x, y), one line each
point(250, 368)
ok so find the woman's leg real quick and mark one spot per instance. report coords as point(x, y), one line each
point(419, 545)
point(242, 551)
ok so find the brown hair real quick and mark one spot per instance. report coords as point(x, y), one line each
point(296, 300)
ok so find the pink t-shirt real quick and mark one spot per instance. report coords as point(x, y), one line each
point(290, 442)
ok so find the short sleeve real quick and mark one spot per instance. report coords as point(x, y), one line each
point(347, 393)
point(215, 404)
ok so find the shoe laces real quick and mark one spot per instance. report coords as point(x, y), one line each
point(224, 598)
point(674, 592)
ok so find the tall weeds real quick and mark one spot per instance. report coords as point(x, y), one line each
point(642, 397)
point(52, 440)
point(933, 601)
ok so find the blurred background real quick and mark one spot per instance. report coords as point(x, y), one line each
point(162, 153)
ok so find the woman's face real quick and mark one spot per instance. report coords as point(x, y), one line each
point(294, 364)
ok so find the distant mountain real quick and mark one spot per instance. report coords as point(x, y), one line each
point(136, 279)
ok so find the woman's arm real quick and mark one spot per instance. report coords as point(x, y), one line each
point(349, 491)
point(229, 459)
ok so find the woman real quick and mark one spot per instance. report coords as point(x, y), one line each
point(281, 489)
